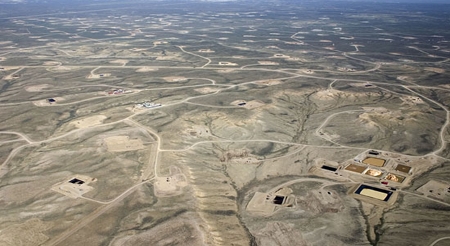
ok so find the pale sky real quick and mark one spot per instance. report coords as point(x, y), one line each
point(373, 1)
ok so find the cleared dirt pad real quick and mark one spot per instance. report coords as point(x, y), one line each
point(97, 76)
point(436, 189)
point(45, 102)
point(435, 69)
point(269, 63)
point(51, 63)
point(410, 100)
point(74, 186)
point(123, 143)
point(36, 88)
point(171, 185)
point(146, 69)
point(58, 68)
point(248, 105)
point(259, 205)
point(174, 79)
point(90, 121)
point(207, 90)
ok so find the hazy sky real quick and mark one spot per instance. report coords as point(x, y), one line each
point(374, 1)
point(383, 1)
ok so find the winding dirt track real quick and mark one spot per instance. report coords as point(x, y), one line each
point(92, 216)
point(106, 205)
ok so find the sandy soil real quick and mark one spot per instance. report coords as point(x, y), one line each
point(10, 77)
point(270, 63)
point(138, 49)
point(405, 78)
point(262, 204)
point(241, 174)
point(122, 62)
point(445, 86)
point(338, 57)
point(279, 233)
point(358, 85)
point(207, 90)
point(36, 88)
point(386, 115)
point(174, 79)
point(171, 185)
point(74, 190)
point(281, 56)
point(97, 76)
point(51, 63)
point(206, 51)
point(146, 69)
point(198, 131)
point(259, 205)
point(59, 68)
point(8, 68)
point(173, 57)
point(307, 71)
point(269, 82)
point(123, 143)
point(160, 42)
point(226, 71)
point(326, 94)
point(44, 102)
point(181, 230)
point(29, 233)
point(227, 64)
point(374, 214)
point(435, 69)
point(435, 189)
point(88, 122)
point(248, 105)
point(411, 100)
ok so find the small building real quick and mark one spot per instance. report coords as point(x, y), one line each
point(373, 152)
point(116, 92)
point(151, 105)
point(51, 100)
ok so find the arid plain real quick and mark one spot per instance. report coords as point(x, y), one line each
point(224, 124)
